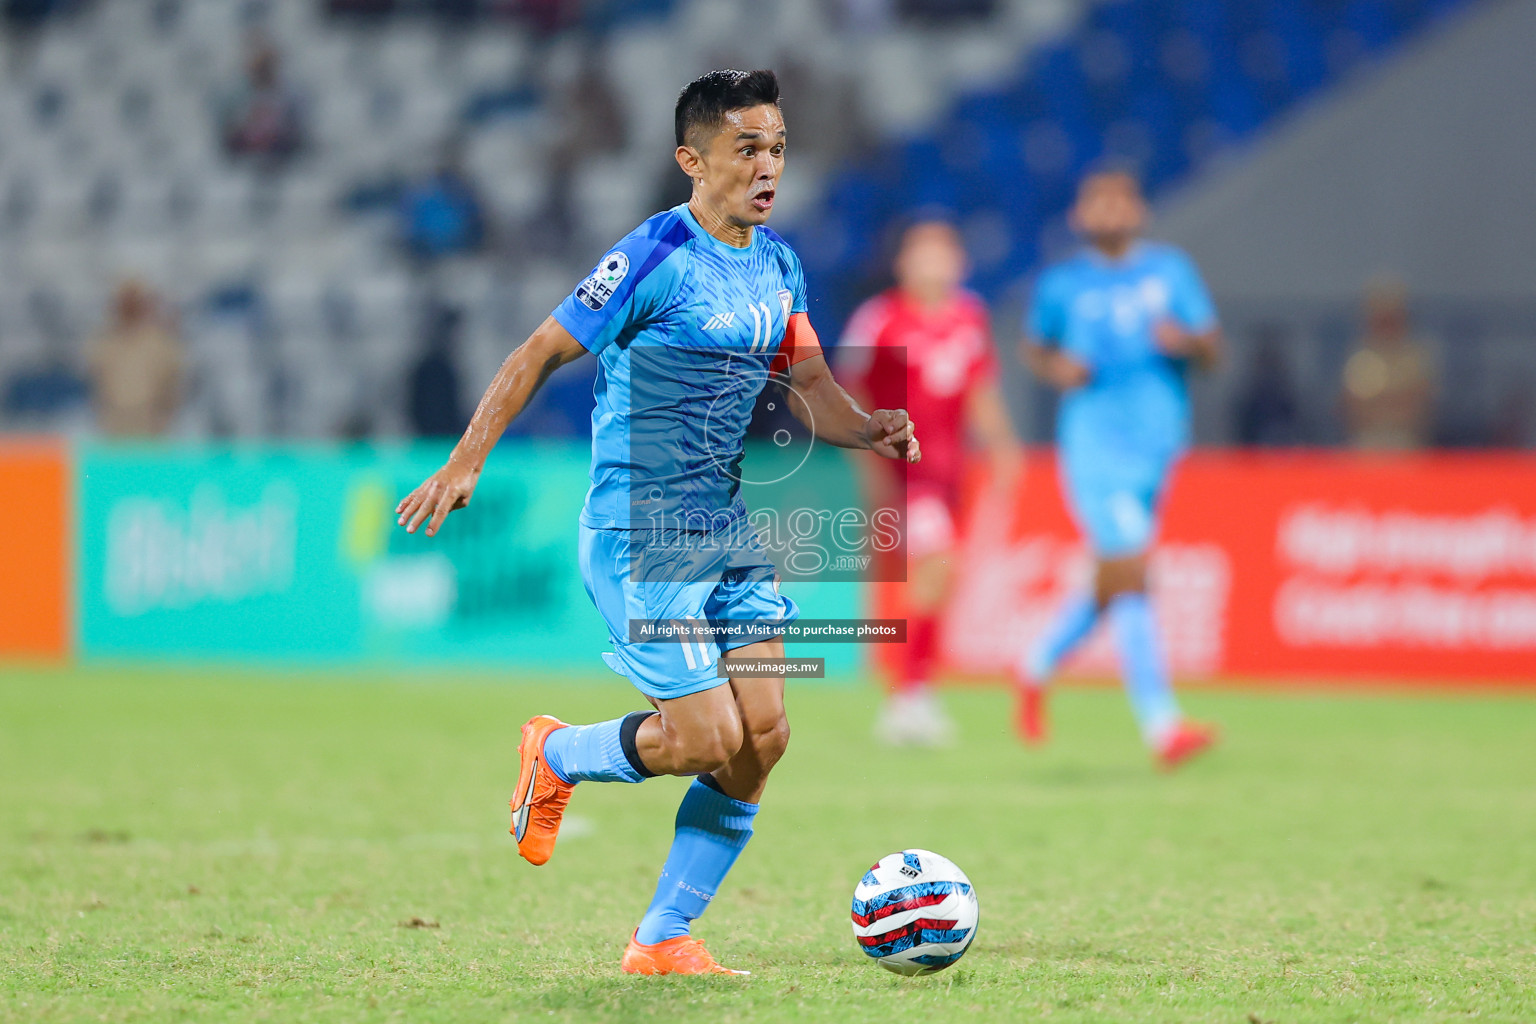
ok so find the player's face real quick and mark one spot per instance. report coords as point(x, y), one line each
point(1110, 209)
point(741, 165)
point(931, 260)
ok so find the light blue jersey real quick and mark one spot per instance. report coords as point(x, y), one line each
point(1119, 435)
point(685, 329)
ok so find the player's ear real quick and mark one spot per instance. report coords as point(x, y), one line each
point(691, 161)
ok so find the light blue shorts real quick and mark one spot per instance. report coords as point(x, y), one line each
point(1117, 512)
point(634, 576)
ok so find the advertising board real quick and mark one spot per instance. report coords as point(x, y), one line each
point(292, 554)
point(1305, 564)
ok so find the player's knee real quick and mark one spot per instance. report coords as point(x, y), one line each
point(1120, 576)
point(707, 759)
point(712, 749)
point(771, 741)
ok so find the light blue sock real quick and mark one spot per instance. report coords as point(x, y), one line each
point(712, 829)
point(1071, 627)
point(596, 753)
point(1143, 666)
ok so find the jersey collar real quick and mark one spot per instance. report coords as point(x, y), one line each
point(709, 239)
point(1132, 254)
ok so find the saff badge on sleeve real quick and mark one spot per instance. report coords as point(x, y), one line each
point(600, 285)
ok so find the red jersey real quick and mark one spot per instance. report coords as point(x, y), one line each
point(927, 361)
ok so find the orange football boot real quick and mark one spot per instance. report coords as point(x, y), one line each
point(682, 955)
point(1187, 740)
point(541, 794)
point(1029, 717)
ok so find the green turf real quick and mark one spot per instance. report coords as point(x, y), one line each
point(242, 847)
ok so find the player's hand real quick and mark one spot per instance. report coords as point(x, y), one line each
point(1201, 348)
point(1061, 371)
point(1173, 340)
point(449, 488)
point(890, 435)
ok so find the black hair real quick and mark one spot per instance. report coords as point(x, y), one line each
point(706, 100)
point(895, 235)
point(1112, 167)
point(932, 213)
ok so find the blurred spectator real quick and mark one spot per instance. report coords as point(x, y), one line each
point(443, 215)
point(1389, 383)
point(264, 117)
point(1266, 409)
point(1512, 416)
point(593, 125)
point(590, 111)
point(828, 117)
point(434, 392)
point(135, 366)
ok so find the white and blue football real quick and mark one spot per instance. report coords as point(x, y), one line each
point(915, 912)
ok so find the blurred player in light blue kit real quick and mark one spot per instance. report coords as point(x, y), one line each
point(1116, 329)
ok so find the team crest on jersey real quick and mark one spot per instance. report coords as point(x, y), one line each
point(599, 287)
point(1154, 295)
point(786, 301)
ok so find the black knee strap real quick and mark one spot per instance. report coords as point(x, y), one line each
point(627, 730)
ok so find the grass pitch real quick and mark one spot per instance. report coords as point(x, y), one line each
point(177, 846)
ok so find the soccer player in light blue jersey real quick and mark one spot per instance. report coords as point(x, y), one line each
point(688, 316)
point(1116, 329)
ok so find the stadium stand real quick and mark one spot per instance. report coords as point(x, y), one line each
point(306, 276)
point(300, 305)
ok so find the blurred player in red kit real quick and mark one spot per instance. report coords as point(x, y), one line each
point(926, 345)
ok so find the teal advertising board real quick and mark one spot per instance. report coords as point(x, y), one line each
point(291, 554)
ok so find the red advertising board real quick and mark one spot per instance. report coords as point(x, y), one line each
point(1283, 565)
point(34, 552)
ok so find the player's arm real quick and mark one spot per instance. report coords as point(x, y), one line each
point(990, 424)
point(1052, 365)
point(1190, 330)
point(1043, 351)
point(986, 414)
point(819, 402)
point(873, 483)
point(1204, 348)
point(547, 349)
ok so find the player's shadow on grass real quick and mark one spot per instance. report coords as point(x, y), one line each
point(617, 996)
point(626, 997)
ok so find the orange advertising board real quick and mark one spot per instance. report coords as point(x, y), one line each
point(34, 551)
point(1283, 565)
